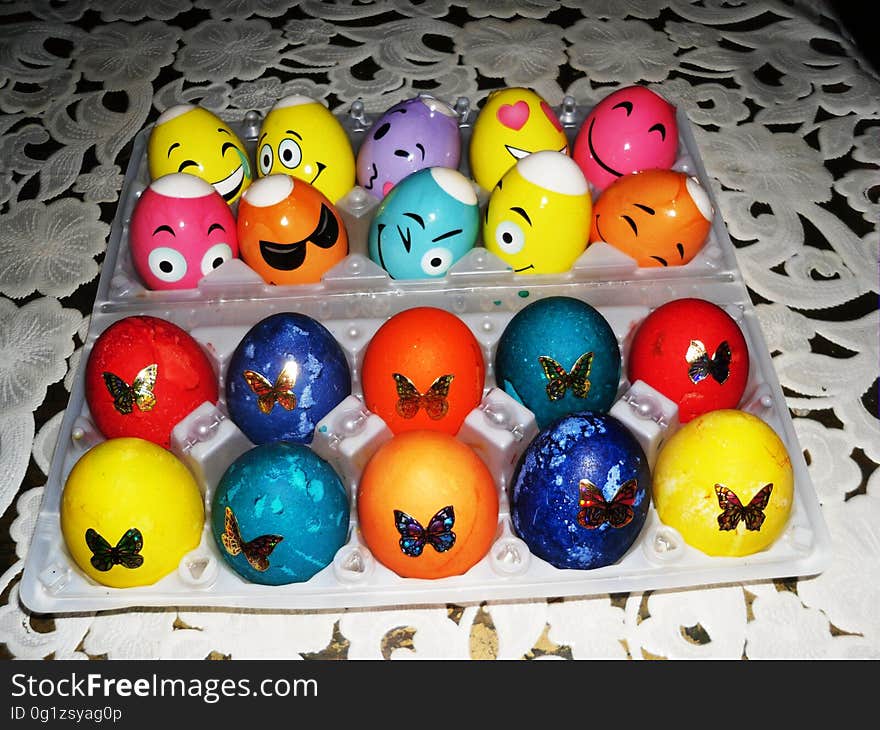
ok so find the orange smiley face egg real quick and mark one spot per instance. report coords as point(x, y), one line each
point(427, 505)
point(657, 217)
point(423, 369)
point(288, 231)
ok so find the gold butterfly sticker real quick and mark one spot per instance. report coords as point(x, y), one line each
point(281, 392)
point(139, 393)
point(409, 399)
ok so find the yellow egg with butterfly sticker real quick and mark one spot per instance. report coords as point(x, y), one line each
point(725, 482)
point(423, 369)
point(130, 510)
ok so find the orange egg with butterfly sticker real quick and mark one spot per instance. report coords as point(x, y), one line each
point(423, 369)
point(427, 505)
point(725, 482)
point(143, 375)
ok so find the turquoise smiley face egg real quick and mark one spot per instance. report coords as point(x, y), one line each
point(279, 514)
point(559, 355)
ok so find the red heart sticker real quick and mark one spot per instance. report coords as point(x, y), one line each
point(513, 116)
point(551, 115)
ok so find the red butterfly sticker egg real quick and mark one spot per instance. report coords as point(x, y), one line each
point(427, 505)
point(694, 353)
point(143, 375)
point(423, 369)
point(725, 482)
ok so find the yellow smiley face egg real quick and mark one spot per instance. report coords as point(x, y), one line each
point(130, 510)
point(538, 216)
point(301, 137)
point(725, 482)
point(193, 140)
point(513, 123)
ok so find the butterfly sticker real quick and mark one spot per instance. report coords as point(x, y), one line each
point(125, 553)
point(414, 537)
point(595, 511)
point(139, 393)
point(733, 511)
point(701, 366)
point(560, 380)
point(268, 394)
point(409, 400)
point(257, 551)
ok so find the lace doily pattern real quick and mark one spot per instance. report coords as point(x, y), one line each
point(786, 113)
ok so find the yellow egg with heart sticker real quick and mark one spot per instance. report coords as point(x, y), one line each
point(725, 482)
point(130, 510)
point(513, 123)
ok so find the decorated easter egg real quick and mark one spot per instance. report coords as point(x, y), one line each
point(725, 482)
point(279, 514)
point(423, 369)
point(513, 123)
point(538, 216)
point(580, 492)
point(303, 138)
point(557, 356)
point(144, 375)
point(130, 511)
point(657, 217)
point(289, 232)
point(285, 375)
point(427, 505)
point(412, 135)
point(188, 138)
point(631, 129)
point(694, 353)
point(181, 230)
point(425, 224)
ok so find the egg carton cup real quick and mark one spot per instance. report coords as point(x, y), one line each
point(599, 264)
point(498, 429)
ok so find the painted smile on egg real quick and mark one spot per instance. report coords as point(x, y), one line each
point(596, 154)
point(290, 256)
point(229, 186)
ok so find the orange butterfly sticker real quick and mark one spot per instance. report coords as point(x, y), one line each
point(734, 511)
point(281, 392)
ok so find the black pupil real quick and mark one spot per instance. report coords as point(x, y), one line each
point(506, 237)
point(435, 262)
point(287, 154)
point(166, 267)
point(217, 262)
point(266, 160)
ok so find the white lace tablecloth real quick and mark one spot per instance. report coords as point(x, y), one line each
point(787, 116)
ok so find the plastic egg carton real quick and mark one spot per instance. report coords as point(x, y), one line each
point(352, 301)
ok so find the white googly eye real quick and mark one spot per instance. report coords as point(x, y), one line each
point(289, 153)
point(218, 254)
point(435, 261)
point(266, 159)
point(167, 264)
point(510, 237)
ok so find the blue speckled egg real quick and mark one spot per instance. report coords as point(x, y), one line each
point(558, 356)
point(279, 514)
point(428, 221)
point(286, 374)
point(581, 492)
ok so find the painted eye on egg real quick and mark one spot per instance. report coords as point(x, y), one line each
point(167, 264)
point(436, 261)
point(510, 237)
point(215, 256)
point(266, 158)
point(290, 153)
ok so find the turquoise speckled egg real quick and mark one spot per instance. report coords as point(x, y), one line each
point(558, 356)
point(279, 514)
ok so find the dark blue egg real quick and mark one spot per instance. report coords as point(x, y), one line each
point(279, 514)
point(581, 492)
point(286, 374)
point(558, 356)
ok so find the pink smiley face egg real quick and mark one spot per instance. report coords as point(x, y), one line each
point(181, 230)
point(630, 130)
